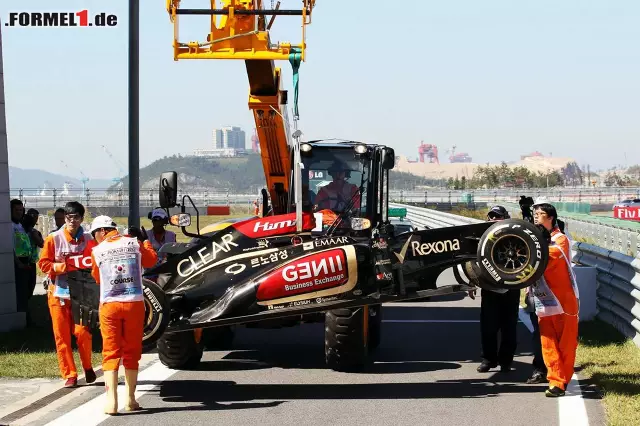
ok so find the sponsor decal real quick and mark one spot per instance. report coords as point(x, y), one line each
point(380, 244)
point(308, 246)
point(310, 273)
point(492, 271)
point(205, 255)
point(235, 268)
point(274, 225)
point(262, 244)
point(384, 262)
point(273, 257)
point(383, 276)
point(79, 261)
point(303, 302)
point(627, 213)
point(436, 247)
point(331, 241)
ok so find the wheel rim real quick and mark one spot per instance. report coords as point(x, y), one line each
point(510, 254)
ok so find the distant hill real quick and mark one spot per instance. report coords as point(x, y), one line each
point(36, 179)
point(239, 175)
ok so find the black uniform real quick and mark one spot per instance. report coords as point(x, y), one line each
point(499, 315)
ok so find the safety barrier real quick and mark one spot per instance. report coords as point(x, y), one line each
point(609, 281)
point(618, 283)
point(608, 233)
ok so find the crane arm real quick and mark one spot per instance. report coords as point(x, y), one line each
point(243, 33)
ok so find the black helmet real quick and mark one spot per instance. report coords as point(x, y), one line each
point(498, 212)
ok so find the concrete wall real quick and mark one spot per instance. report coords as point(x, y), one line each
point(9, 318)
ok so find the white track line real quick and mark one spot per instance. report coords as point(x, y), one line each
point(571, 408)
point(91, 413)
point(428, 321)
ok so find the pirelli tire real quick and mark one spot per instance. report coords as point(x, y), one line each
point(471, 271)
point(182, 350)
point(156, 313)
point(346, 338)
point(512, 254)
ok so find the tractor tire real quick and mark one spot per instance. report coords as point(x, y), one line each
point(156, 313)
point(218, 338)
point(346, 342)
point(375, 326)
point(181, 351)
point(512, 254)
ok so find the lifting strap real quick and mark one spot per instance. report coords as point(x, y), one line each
point(294, 60)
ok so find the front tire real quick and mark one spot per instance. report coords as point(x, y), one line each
point(346, 338)
point(512, 254)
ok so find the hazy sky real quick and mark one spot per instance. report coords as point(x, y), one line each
point(496, 78)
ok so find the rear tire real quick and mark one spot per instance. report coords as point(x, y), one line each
point(346, 342)
point(181, 351)
point(157, 312)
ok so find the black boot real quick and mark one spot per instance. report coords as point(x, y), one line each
point(486, 366)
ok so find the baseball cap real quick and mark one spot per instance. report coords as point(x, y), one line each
point(102, 222)
point(159, 213)
point(498, 211)
point(541, 200)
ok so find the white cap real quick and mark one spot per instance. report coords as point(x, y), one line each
point(102, 222)
point(541, 200)
point(159, 213)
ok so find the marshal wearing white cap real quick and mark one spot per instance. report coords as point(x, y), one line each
point(158, 236)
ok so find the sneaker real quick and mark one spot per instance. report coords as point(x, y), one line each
point(90, 375)
point(486, 366)
point(536, 377)
point(554, 392)
point(71, 382)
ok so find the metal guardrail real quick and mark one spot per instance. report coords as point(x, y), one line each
point(618, 281)
point(429, 218)
point(617, 278)
point(620, 237)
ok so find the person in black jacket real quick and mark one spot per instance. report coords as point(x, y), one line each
point(498, 317)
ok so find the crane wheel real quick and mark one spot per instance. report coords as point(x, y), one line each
point(182, 350)
point(346, 338)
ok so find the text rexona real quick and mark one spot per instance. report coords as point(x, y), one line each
point(266, 226)
point(425, 249)
point(206, 258)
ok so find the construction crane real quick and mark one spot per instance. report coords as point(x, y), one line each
point(84, 179)
point(430, 151)
point(115, 180)
point(239, 29)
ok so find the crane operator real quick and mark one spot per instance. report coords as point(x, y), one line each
point(337, 194)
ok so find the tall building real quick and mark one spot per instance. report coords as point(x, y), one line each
point(218, 139)
point(229, 138)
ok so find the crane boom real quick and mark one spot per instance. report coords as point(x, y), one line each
point(243, 33)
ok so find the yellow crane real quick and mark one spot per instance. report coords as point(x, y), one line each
point(239, 30)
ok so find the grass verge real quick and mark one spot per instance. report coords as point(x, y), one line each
point(31, 352)
point(611, 362)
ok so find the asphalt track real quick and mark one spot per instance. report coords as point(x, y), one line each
point(424, 372)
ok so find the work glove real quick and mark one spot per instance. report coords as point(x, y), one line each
point(138, 233)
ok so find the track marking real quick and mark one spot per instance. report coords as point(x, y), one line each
point(428, 321)
point(91, 412)
point(571, 408)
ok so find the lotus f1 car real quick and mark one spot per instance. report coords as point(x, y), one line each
point(334, 265)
